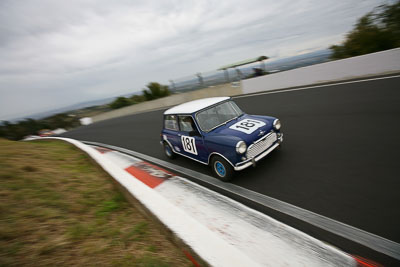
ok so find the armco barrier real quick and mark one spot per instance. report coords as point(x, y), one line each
point(220, 90)
point(355, 67)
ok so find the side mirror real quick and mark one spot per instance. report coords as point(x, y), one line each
point(194, 133)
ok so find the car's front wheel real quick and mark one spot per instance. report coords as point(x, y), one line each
point(168, 151)
point(221, 168)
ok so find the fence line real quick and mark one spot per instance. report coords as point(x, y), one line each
point(207, 79)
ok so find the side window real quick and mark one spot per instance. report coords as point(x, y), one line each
point(186, 123)
point(170, 123)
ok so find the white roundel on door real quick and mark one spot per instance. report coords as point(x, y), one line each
point(189, 144)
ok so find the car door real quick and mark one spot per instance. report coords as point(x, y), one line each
point(171, 132)
point(191, 141)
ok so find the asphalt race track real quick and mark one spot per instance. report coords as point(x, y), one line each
point(340, 156)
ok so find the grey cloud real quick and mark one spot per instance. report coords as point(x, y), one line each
point(56, 53)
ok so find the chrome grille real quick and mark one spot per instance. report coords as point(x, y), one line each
point(261, 145)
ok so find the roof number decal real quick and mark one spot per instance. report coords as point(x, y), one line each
point(247, 126)
point(189, 144)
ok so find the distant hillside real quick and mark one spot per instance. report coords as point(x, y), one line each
point(77, 106)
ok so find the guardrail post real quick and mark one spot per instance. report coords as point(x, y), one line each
point(226, 75)
point(239, 73)
point(172, 85)
point(201, 82)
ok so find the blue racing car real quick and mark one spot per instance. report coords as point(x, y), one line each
point(214, 131)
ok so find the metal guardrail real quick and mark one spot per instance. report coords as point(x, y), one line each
point(249, 69)
point(207, 79)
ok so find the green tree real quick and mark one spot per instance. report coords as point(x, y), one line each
point(120, 102)
point(155, 90)
point(61, 120)
point(376, 31)
point(391, 19)
point(135, 99)
point(14, 131)
point(4, 129)
point(18, 130)
point(29, 126)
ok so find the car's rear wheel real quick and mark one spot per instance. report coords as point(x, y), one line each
point(168, 151)
point(221, 168)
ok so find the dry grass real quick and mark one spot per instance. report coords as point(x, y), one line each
point(59, 209)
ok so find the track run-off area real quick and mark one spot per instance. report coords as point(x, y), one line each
point(339, 159)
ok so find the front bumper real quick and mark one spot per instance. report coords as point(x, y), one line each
point(252, 161)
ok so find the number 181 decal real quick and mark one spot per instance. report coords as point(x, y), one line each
point(189, 144)
point(247, 125)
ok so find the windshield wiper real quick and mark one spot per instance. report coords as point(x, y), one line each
point(230, 120)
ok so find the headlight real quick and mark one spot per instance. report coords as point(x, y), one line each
point(241, 147)
point(277, 124)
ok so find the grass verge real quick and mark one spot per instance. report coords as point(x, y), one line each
point(58, 208)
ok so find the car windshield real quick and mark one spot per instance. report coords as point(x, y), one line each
point(217, 115)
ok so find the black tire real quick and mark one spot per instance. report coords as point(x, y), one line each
point(168, 151)
point(222, 169)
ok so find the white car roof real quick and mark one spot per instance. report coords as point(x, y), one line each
point(195, 105)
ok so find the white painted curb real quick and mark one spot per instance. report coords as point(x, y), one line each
point(205, 243)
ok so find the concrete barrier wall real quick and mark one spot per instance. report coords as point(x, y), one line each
point(220, 90)
point(366, 65)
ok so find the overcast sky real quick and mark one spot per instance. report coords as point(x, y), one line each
point(57, 53)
